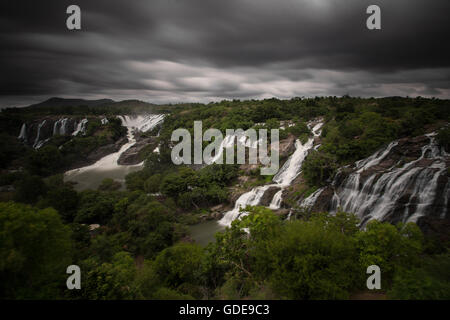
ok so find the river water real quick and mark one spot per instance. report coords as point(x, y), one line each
point(204, 232)
point(90, 177)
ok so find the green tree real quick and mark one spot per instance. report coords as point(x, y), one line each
point(61, 197)
point(428, 281)
point(389, 247)
point(180, 264)
point(35, 250)
point(109, 184)
point(152, 184)
point(311, 260)
point(29, 189)
point(45, 161)
point(443, 138)
point(111, 280)
point(318, 168)
point(179, 182)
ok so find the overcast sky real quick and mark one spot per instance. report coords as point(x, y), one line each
point(168, 51)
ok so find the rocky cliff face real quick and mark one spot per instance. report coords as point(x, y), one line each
point(404, 182)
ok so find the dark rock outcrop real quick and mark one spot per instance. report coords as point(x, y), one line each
point(323, 203)
point(287, 146)
point(438, 229)
point(133, 154)
point(103, 151)
point(283, 213)
point(268, 196)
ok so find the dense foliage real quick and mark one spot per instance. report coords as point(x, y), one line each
point(135, 244)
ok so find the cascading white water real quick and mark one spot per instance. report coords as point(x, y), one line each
point(142, 123)
point(276, 201)
point(60, 126)
point(63, 127)
point(37, 143)
point(375, 159)
point(381, 194)
point(311, 200)
point(292, 167)
point(55, 127)
point(290, 170)
point(107, 167)
point(23, 133)
point(251, 198)
point(80, 127)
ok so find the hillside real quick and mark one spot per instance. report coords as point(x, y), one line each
point(355, 177)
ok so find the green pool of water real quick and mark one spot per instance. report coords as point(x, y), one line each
point(203, 233)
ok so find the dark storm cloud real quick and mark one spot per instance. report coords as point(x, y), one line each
point(190, 50)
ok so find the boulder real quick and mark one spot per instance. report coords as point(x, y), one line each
point(248, 168)
point(243, 179)
point(218, 208)
point(283, 213)
point(268, 196)
point(132, 155)
point(287, 146)
point(323, 201)
point(216, 215)
point(103, 151)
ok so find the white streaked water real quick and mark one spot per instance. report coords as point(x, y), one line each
point(276, 201)
point(311, 200)
point(60, 126)
point(107, 167)
point(384, 192)
point(251, 198)
point(290, 170)
point(37, 141)
point(80, 127)
point(376, 158)
point(142, 123)
point(23, 133)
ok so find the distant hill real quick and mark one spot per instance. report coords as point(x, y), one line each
point(62, 102)
point(61, 106)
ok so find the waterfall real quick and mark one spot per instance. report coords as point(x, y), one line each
point(142, 123)
point(55, 127)
point(276, 201)
point(311, 200)
point(63, 127)
point(23, 133)
point(290, 170)
point(108, 166)
point(376, 158)
point(80, 127)
point(400, 193)
point(37, 143)
point(60, 126)
point(251, 198)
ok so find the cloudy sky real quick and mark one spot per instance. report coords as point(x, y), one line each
point(168, 51)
